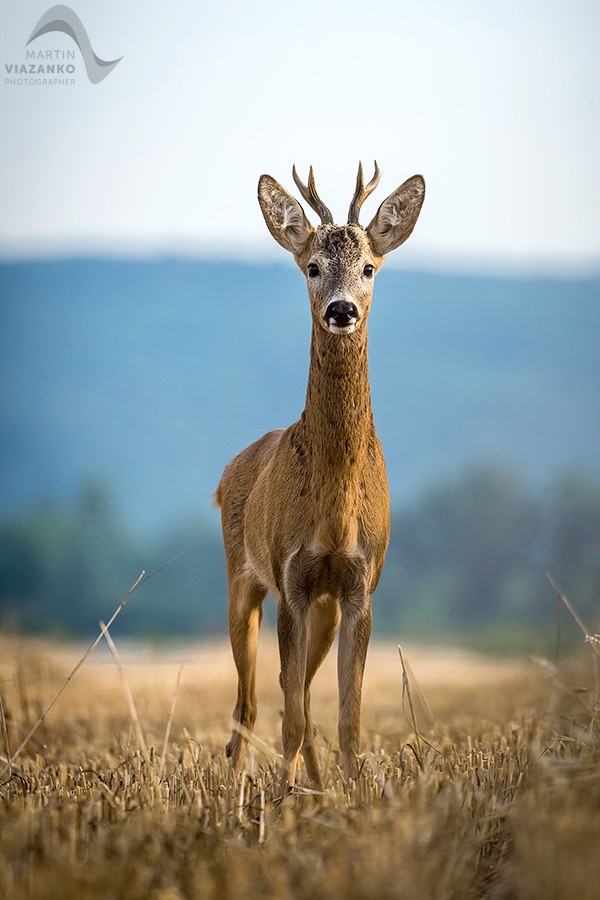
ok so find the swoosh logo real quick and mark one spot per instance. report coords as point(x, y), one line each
point(62, 18)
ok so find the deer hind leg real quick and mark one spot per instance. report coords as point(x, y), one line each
point(355, 631)
point(324, 618)
point(245, 612)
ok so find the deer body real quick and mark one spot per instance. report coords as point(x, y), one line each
point(305, 511)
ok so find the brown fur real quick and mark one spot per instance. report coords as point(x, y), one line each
point(305, 511)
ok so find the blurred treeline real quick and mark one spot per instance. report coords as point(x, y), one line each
point(468, 555)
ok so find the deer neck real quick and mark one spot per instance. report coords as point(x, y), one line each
point(337, 422)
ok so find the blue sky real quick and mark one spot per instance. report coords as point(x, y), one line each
point(497, 105)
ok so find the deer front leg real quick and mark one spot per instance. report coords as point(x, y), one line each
point(245, 610)
point(355, 630)
point(292, 635)
point(323, 621)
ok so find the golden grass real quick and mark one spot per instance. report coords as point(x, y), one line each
point(498, 797)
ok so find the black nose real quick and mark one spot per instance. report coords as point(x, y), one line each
point(341, 313)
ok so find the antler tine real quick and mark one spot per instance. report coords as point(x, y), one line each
point(309, 192)
point(361, 193)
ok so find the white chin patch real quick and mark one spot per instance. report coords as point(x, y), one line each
point(335, 329)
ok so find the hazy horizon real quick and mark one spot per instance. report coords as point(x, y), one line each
point(496, 107)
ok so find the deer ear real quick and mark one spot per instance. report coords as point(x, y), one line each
point(396, 217)
point(284, 216)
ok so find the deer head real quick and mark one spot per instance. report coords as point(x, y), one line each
point(340, 262)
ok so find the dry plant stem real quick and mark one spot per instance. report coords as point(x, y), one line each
point(256, 742)
point(142, 578)
point(413, 720)
point(126, 689)
point(406, 692)
point(197, 769)
point(89, 650)
point(595, 647)
point(561, 596)
point(5, 733)
point(169, 724)
point(261, 819)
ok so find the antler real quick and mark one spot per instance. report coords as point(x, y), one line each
point(361, 193)
point(309, 192)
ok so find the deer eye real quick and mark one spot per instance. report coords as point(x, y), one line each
point(313, 270)
point(368, 271)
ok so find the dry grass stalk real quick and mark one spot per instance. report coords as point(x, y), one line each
point(412, 720)
point(592, 640)
point(126, 689)
point(589, 638)
point(169, 725)
point(87, 653)
point(255, 741)
point(5, 736)
point(143, 577)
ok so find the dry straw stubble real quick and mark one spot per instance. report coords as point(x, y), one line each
point(497, 795)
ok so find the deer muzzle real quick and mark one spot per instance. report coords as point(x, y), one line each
point(341, 316)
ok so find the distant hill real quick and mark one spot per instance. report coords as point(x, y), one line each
point(153, 374)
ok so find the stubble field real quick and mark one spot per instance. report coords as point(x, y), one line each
point(494, 790)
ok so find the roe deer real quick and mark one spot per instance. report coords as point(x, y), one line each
point(305, 511)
